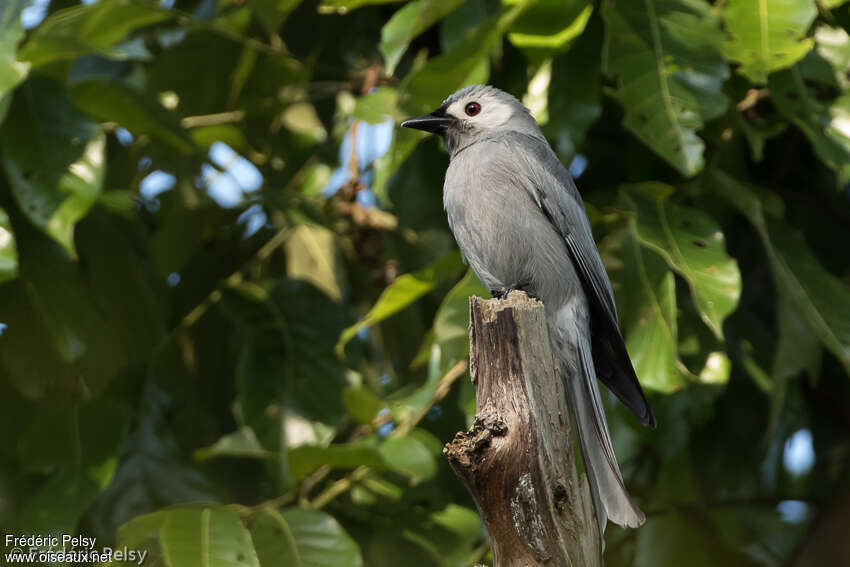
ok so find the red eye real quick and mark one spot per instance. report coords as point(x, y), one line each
point(473, 108)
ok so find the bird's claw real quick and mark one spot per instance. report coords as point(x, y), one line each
point(503, 292)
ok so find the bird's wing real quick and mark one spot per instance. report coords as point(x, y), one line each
point(555, 192)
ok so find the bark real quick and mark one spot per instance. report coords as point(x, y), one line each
point(517, 461)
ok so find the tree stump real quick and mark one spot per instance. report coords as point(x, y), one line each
point(517, 461)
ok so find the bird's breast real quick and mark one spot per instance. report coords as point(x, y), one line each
point(499, 227)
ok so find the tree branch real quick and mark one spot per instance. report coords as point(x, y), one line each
point(517, 461)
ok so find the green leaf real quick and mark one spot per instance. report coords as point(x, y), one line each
point(122, 284)
point(546, 17)
point(59, 341)
point(376, 106)
point(424, 89)
point(320, 541)
point(81, 30)
point(259, 394)
point(414, 454)
point(820, 297)
point(692, 244)
point(12, 71)
point(446, 345)
point(33, 365)
point(134, 533)
point(458, 532)
point(449, 538)
point(684, 538)
point(450, 339)
point(287, 375)
point(767, 36)
point(306, 322)
point(574, 93)
point(403, 143)
point(63, 498)
point(406, 289)
point(460, 24)
point(304, 459)
point(407, 23)
point(138, 112)
point(54, 159)
point(451, 323)
point(287, 358)
point(362, 404)
point(826, 125)
point(760, 527)
point(301, 118)
point(271, 13)
point(154, 470)
point(313, 255)
point(8, 251)
point(242, 443)
point(207, 89)
point(548, 26)
point(646, 293)
point(206, 537)
point(345, 6)
point(797, 349)
point(670, 75)
point(273, 540)
point(717, 368)
point(758, 130)
point(206, 136)
point(75, 446)
point(829, 61)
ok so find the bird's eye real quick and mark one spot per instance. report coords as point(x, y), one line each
point(473, 108)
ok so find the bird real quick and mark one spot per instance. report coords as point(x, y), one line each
point(520, 224)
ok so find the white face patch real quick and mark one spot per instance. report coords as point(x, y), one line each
point(493, 112)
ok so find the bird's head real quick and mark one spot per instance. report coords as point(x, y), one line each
point(472, 113)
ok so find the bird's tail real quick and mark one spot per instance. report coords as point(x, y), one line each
point(606, 483)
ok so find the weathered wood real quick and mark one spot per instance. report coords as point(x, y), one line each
point(517, 461)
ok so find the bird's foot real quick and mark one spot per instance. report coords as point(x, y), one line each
point(504, 292)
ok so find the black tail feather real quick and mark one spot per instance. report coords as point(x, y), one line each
point(614, 368)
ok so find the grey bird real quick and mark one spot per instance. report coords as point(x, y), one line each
point(520, 223)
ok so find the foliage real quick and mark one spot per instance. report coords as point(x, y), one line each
point(233, 318)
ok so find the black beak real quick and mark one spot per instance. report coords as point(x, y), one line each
point(436, 122)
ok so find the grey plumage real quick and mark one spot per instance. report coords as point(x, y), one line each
point(520, 223)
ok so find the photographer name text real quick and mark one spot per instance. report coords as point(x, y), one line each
point(29, 549)
point(50, 541)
